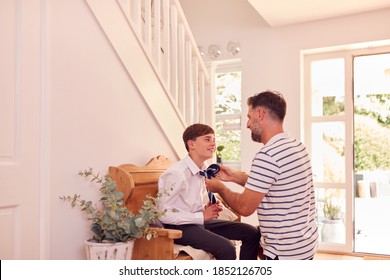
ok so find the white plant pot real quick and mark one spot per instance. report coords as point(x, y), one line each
point(109, 251)
point(333, 231)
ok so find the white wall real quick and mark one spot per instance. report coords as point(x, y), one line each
point(98, 118)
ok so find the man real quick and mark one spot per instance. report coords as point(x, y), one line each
point(279, 185)
point(185, 207)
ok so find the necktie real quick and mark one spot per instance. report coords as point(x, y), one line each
point(210, 172)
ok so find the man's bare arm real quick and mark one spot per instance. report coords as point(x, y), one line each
point(244, 203)
point(227, 174)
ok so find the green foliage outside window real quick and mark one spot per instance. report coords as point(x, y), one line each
point(376, 106)
point(372, 130)
point(332, 106)
point(231, 140)
point(228, 93)
point(228, 102)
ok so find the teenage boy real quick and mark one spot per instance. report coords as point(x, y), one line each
point(185, 207)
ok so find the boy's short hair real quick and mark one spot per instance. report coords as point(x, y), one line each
point(194, 131)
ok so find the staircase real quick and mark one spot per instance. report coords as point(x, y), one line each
point(153, 40)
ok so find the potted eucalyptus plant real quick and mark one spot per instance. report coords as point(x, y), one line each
point(113, 226)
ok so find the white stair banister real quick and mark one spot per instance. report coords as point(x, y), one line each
point(169, 47)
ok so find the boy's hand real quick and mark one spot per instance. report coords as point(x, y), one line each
point(212, 211)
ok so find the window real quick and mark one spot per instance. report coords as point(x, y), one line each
point(228, 112)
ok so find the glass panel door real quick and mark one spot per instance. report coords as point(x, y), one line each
point(372, 153)
point(347, 132)
point(328, 138)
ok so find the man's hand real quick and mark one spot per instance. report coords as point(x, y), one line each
point(225, 173)
point(214, 185)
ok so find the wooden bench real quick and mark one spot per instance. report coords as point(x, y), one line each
point(136, 182)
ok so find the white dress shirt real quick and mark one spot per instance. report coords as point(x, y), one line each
point(183, 194)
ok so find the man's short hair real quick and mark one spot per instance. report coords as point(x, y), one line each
point(272, 100)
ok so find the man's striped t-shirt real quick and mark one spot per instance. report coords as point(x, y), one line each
point(282, 170)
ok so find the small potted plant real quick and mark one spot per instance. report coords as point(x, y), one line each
point(113, 226)
point(220, 148)
point(331, 211)
point(333, 229)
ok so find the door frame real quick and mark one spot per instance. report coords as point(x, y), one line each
point(347, 52)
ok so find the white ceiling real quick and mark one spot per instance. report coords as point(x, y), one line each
point(285, 12)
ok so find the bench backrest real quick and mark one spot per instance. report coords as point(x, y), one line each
point(136, 182)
